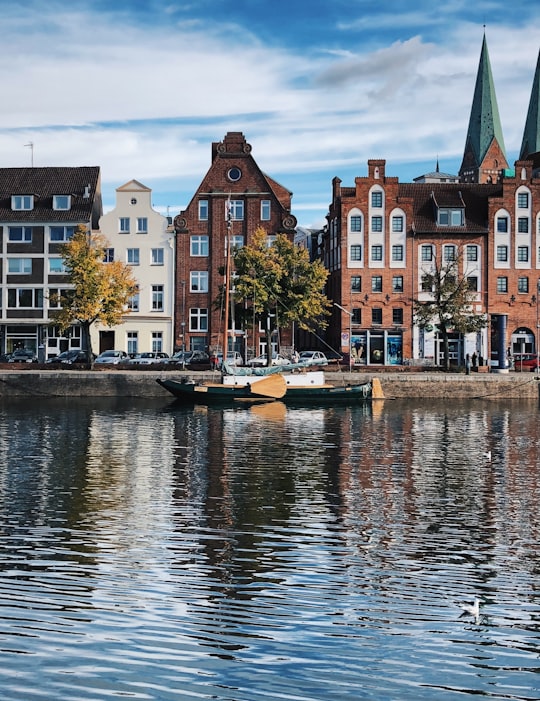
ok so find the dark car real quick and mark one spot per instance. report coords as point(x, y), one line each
point(190, 358)
point(525, 362)
point(23, 355)
point(71, 356)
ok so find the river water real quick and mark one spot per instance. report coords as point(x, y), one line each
point(161, 553)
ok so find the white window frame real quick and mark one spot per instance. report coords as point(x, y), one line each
point(133, 256)
point(22, 203)
point(203, 210)
point(157, 341)
point(60, 270)
point(36, 293)
point(266, 210)
point(62, 202)
point(199, 246)
point(19, 266)
point(198, 319)
point(26, 233)
point(132, 338)
point(234, 208)
point(124, 225)
point(158, 297)
point(198, 281)
point(157, 256)
point(61, 233)
point(134, 302)
point(142, 225)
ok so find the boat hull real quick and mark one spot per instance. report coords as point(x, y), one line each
point(219, 394)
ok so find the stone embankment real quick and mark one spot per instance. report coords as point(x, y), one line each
point(111, 383)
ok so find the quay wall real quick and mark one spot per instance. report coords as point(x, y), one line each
point(110, 383)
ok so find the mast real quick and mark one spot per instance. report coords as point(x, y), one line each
point(227, 279)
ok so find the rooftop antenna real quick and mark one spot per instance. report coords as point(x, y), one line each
point(30, 145)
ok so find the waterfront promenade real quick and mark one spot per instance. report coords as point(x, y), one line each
point(136, 383)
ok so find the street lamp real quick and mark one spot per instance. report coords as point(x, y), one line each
point(350, 329)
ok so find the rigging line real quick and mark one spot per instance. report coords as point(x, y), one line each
point(503, 389)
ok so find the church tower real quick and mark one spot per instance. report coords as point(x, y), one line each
point(484, 157)
point(530, 146)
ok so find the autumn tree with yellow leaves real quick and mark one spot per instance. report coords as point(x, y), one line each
point(99, 291)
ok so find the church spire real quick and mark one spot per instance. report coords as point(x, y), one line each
point(484, 156)
point(531, 134)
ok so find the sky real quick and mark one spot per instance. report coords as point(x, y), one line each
point(142, 88)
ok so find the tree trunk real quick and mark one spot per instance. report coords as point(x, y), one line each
point(87, 344)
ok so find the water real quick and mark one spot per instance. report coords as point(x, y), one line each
point(158, 553)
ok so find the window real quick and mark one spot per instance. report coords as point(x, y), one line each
point(523, 254)
point(199, 245)
point(203, 210)
point(376, 252)
point(523, 225)
point(397, 283)
point(502, 225)
point(397, 315)
point(502, 284)
point(427, 253)
point(472, 283)
point(376, 315)
point(198, 281)
point(270, 241)
point(376, 199)
point(55, 298)
point(449, 253)
point(157, 298)
point(108, 255)
point(376, 223)
point(22, 234)
point(265, 210)
point(123, 225)
point(24, 298)
point(502, 254)
point(22, 202)
point(20, 266)
point(234, 210)
point(198, 319)
point(157, 341)
point(61, 233)
point(356, 252)
point(57, 267)
point(523, 200)
point(376, 283)
point(397, 252)
point(355, 223)
point(62, 202)
point(472, 253)
point(356, 317)
point(157, 256)
point(397, 224)
point(356, 283)
point(450, 217)
point(133, 303)
point(132, 342)
point(426, 283)
point(237, 241)
point(523, 284)
point(142, 225)
point(132, 256)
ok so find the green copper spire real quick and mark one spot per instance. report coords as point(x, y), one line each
point(531, 133)
point(484, 122)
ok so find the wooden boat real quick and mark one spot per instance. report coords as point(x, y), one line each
point(264, 389)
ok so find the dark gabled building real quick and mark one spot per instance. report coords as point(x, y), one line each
point(234, 198)
point(39, 210)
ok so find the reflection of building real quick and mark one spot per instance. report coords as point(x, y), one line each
point(383, 236)
point(138, 236)
point(234, 188)
point(39, 210)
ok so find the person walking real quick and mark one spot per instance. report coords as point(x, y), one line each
point(467, 364)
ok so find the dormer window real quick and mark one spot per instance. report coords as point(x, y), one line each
point(450, 217)
point(22, 202)
point(62, 202)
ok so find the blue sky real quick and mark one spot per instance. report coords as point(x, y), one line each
point(142, 88)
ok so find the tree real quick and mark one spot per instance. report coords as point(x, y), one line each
point(450, 304)
point(100, 291)
point(281, 284)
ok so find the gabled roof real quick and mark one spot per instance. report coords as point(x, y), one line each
point(531, 133)
point(427, 196)
point(484, 121)
point(83, 184)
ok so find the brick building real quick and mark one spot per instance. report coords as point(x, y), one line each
point(235, 189)
point(382, 236)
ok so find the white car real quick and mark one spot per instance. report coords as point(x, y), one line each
point(233, 358)
point(313, 358)
point(261, 361)
point(112, 357)
point(149, 358)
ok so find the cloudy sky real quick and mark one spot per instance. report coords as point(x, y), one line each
point(142, 88)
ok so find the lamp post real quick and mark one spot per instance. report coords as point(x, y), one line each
point(350, 330)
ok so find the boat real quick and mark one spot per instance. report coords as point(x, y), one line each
point(264, 389)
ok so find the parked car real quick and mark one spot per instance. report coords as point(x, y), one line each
point(335, 357)
point(311, 357)
point(261, 361)
point(525, 362)
point(23, 355)
point(191, 358)
point(112, 357)
point(71, 356)
point(149, 358)
point(233, 358)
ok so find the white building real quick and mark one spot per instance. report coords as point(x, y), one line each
point(139, 236)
